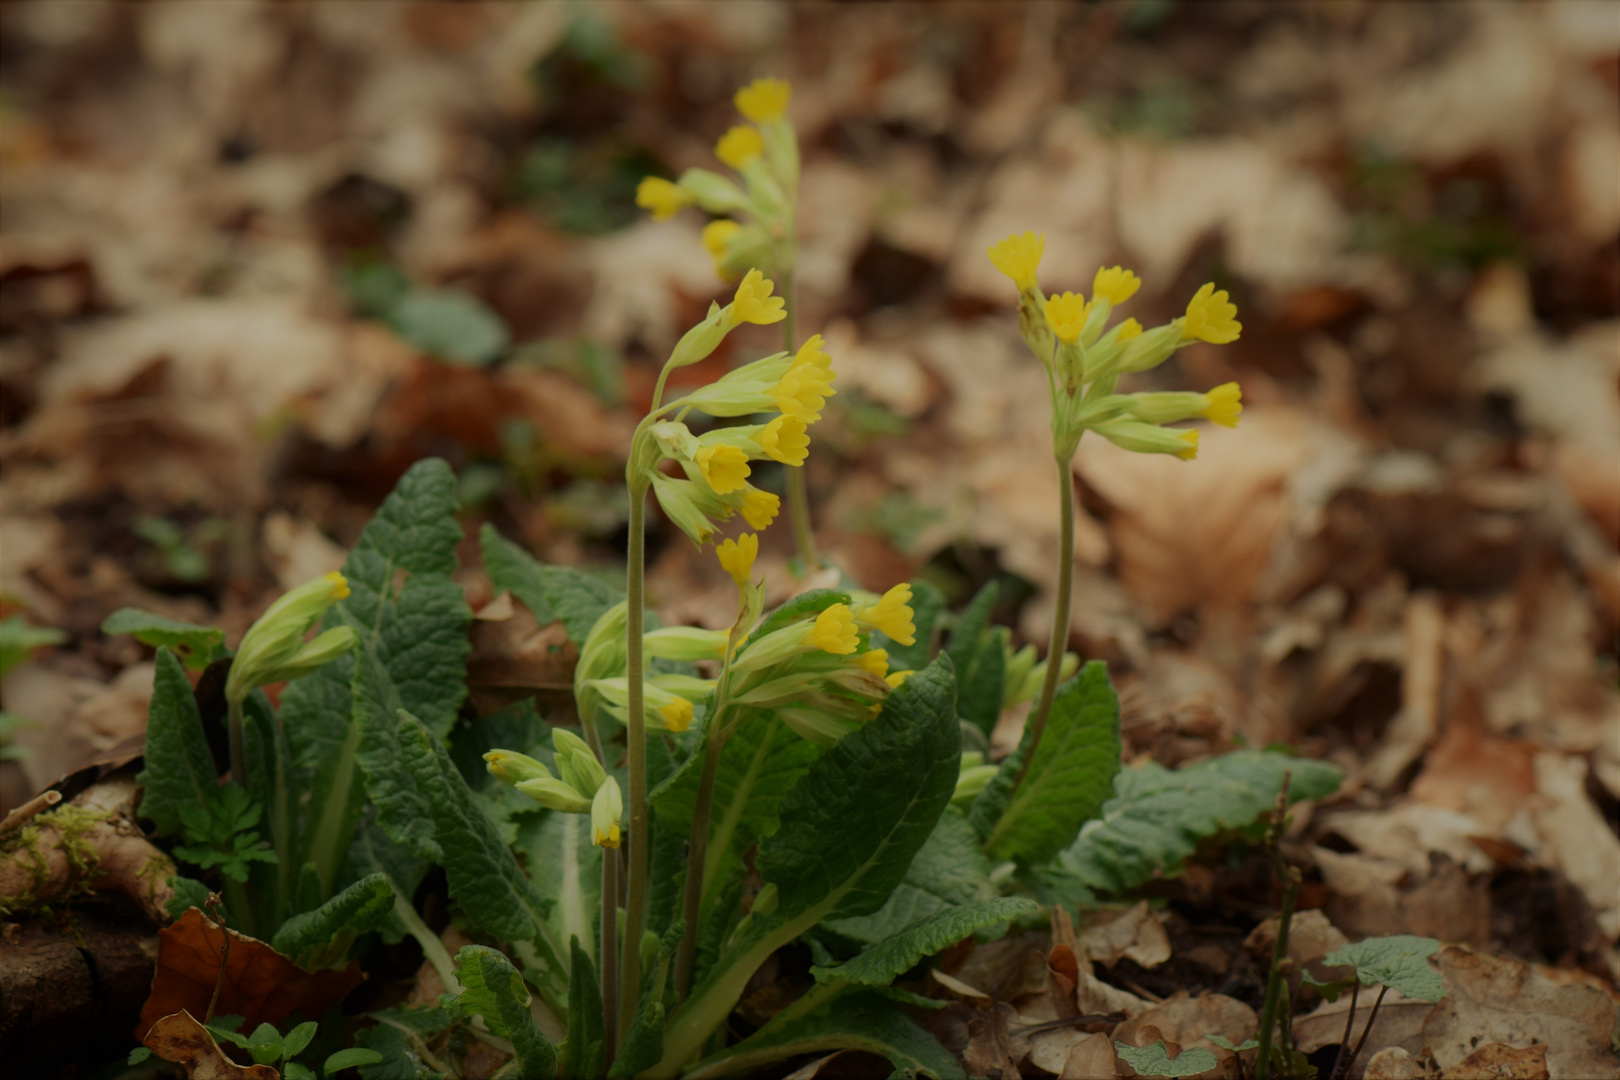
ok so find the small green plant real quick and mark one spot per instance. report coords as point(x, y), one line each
point(18, 641)
point(183, 553)
point(268, 1046)
point(451, 324)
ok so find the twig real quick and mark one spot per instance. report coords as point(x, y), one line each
point(1289, 880)
point(43, 801)
point(1371, 1018)
point(1349, 1022)
point(224, 955)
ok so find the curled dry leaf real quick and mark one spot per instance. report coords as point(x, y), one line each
point(1578, 841)
point(1135, 934)
point(182, 1039)
point(1392, 1063)
point(1185, 1020)
point(1493, 1061)
point(1092, 1058)
point(260, 984)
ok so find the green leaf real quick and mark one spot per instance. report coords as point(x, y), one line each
point(971, 626)
point(1070, 777)
point(1157, 818)
point(397, 1058)
point(321, 938)
point(927, 603)
point(516, 727)
point(587, 1039)
point(451, 325)
point(552, 593)
point(298, 1038)
point(188, 893)
point(566, 870)
point(1400, 962)
point(495, 991)
point(864, 1020)
point(349, 1058)
point(18, 640)
point(1155, 1060)
point(1226, 1044)
point(373, 852)
point(892, 957)
point(197, 646)
point(948, 872)
point(402, 810)
point(179, 766)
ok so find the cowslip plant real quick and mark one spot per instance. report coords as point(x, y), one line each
point(765, 155)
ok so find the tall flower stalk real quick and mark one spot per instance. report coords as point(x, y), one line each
point(1084, 358)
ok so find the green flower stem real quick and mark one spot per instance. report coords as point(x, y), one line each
point(804, 537)
point(238, 741)
point(433, 950)
point(610, 951)
point(1059, 642)
point(696, 849)
point(281, 824)
point(1276, 980)
point(636, 738)
point(240, 907)
point(336, 815)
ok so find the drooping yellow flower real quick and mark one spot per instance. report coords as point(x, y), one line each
point(763, 100)
point(717, 234)
point(660, 196)
point(759, 508)
point(874, 660)
point(834, 631)
point(1190, 437)
point(1211, 317)
point(892, 615)
point(677, 715)
point(1225, 404)
point(1019, 256)
point(1115, 284)
point(737, 556)
point(807, 383)
point(896, 679)
point(1066, 315)
point(753, 302)
point(1128, 329)
point(785, 439)
point(739, 146)
point(724, 467)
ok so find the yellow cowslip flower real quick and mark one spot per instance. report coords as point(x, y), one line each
point(806, 385)
point(1190, 437)
point(896, 679)
point(1115, 284)
point(606, 809)
point(677, 715)
point(892, 615)
point(1066, 315)
point(737, 556)
point(716, 235)
point(759, 508)
point(763, 100)
point(834, 631)
point(875, 661)
point(753, 302)
point(1211, 317)
point(739, 146)
point(1019, 256)
point(660, 196)
point(1128, 329)
point(724, 467)
point(1225, 404)
point(784, 439)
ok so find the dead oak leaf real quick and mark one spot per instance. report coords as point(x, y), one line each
point(180, 1038)
point(1493, 1061)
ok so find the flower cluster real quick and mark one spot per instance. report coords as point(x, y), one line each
point(1085, 357)
point(274, 649)
point(583, 786)
point(765, 154)
point(715, 464)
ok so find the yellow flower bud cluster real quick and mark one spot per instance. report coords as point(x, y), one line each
point(1085, 357)
point(765, 154)
point(274, 650)
point(580, 785)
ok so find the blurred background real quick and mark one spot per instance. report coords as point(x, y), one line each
point(257, 258)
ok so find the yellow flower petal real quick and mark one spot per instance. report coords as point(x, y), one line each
point(1115, 284)
point(785, 440)
point(874, 660)
point(660, 196)
point(759, 508)
point(1211, 317)
point(1224, 404)
point(892, 615)
point(1066, 315)
point(1019, 256)
point(677, 715)
point(739, 146)
point(763, 100)
point(753, 302)
point(724, 467)
point(1128, 329)
point(1190, 437)
point(834, 631)
point(737, 556)
point(717, 234)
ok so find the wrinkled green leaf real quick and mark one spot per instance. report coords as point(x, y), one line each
point(495, 991)
point(1067, 782)
point(894, 956)
point(587, 1039)
point(552, 593)
point(566, 869)
point(1227, 1044)
point(948, 872)
point(1400, 962)
point(188, 893)
point(179, 766)
point(321, 938)
point(1155, 1060)
point(967, 642)
point(451, 325)
point(197, 646)
point(983, 684)
point(397, 1058)
point(1157, 818)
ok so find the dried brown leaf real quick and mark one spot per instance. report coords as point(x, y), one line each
point(182, 1039)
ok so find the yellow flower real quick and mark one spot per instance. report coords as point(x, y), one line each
point(724, 467)
point(834, 631)
point(807, 383)
point(896, 679)
point(1128, 329)
point(717, 234)
point(606, 809)
point(1190, 437)
point(874, 660)
point(737, 556)
point(759, 508)
point(1066, 315)
point(785, 440)
point(660, 196)
point(1225, 404)
point(1211, 317)
point(1115, 284)
point(754, 303)
point(739, 146)
point(763, 100)
point(677, 715)
point(892, 615)
point(1019, 256)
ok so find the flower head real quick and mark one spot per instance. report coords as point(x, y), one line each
point(891, 615)
point(1211, 317)
point(834, 631)
point(807, 383)
point(1224, 404)
point(1115, 284)
point(739, 146)
point(1066, 315)
point(1019, 256)
point(718, 233)
point(660, 196)
point(737, 557)
point(274, 649)
point(1128, 329)
point(759, 508)
point(606, 809)
point(511, 767)
point(874, 660)
point(677, 715)
point(725, 467)
point(763, 100)
point(754, 303)
point(785, 440)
